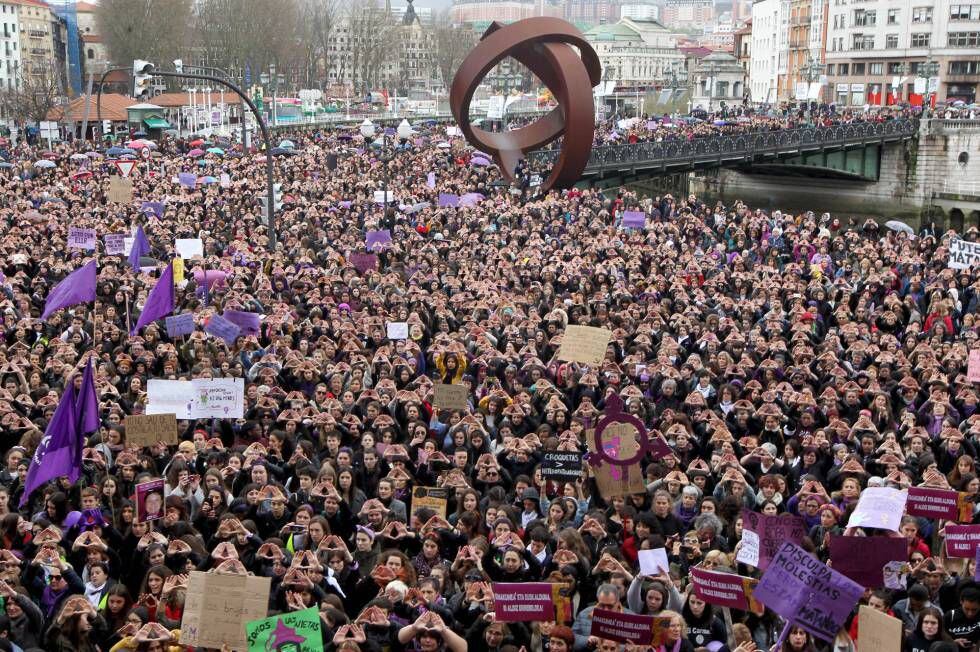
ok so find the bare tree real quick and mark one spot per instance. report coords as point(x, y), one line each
point(452, 43)
point(318, 25)
point(155, 30)
point(36, 94)
point(374, 43)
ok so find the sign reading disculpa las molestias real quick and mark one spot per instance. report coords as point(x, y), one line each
point(963, 254)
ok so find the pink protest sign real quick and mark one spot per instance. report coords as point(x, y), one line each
point(962, 540)
point(863, 558)
point(973, 367)
point(364, 262)
point(722, 589)
point(773, 532)
point(934, 503)
point(623, 627)
point(522, 602)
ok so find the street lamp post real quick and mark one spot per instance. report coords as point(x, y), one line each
point(928, 70)
point(811, 71)
point(404, 132)
point(273, 80)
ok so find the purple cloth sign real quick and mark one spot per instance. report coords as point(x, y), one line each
point(115, 244)
point(806, 592)
point(863, 558)
point(82, 238)
point(182, 324)
point(187, 179)
point(722, 589)
point(962, 540)
point(772, 531)
point(248, 322)
point(934, 503)
point(634, 219)
point(152, 207)
point(471, 199)
point(976, 566)
point(623, 627)
point(430, 180)
point(364, 262)
point(376, 240)
point(447, 199)
point(221, 327)
point(522, 602)
point(879, 507)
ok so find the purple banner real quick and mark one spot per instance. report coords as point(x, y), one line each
point(805, 591)
point(863, 558)
point(446, 199)
point(634, 219)
point(182, 324)
point(221, 327)
point(962, 540)
point(523, 602)
point(722, 589)
point(936, 503)
point(364, 262)
point(187, 179)
point(624, 627)
point(772, 532)
point(376, 240)
point(248, 322)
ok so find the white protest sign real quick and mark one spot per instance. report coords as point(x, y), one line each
point(963, 254)
point(748, 552)
point(189, 247)
point(397, 330)
point(653, 562)
point(381, 195)
point(202, 398)
point(224, 180)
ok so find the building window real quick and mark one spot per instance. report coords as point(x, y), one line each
point(864, 18)
point(858, 69)
point(964, 67)
point(920, 40)
point(863, 42)
point(91, 53)
point(893, 17)
point(963, 39)
point(876, 68)
point(842, 69)
point(964, 12)
point(891, 41)
point(921, 14)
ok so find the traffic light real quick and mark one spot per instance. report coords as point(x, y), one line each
point(277, 194)
point(142, 79)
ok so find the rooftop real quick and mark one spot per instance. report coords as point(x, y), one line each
point(113, 108)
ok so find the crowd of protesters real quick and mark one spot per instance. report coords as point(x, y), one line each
point(789, 361)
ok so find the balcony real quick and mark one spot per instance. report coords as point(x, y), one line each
point(37, 33)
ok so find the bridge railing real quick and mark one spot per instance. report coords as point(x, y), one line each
point(673, 151)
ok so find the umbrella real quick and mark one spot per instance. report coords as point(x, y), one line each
point(207, 180)
point(44, 164)
point(128, 155)
point(287, 144)
point(194, 153)
point(480, 162)
point(279, 151)
point(78, 156)
point(93, 155)
point(202, 163)
point(443, 145)
point(6, 166)
point(900, 227)
point(118, 151)
point(197, 143)
point(719, 123)
point(136, 144)
point(216, 150)
point(81, 175)
point(157, 154)
point(140, 133)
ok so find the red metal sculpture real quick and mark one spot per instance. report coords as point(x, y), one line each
point(545, 47)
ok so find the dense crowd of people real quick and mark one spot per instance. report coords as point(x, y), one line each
point(789, 362)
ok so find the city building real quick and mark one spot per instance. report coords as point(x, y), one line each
point(804, 54)
point(720, 37)
point(94, 50)
point(505, 11)
point(592, 12)
point(719, 80)
point(640, 11)
point(742, 46)
point(9, 46)
point(37, 38)
point(877, 51)
point(769, 49)
point(687, 13)
point(635, 53)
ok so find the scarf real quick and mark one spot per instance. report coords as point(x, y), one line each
point(93, 593)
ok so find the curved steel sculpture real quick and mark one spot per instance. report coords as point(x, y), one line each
point(544, 46)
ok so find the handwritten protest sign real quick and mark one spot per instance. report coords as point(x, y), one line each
point(218, 607)
point(178, 264)
point(878, 631)
point(299, 629)
point(806, 592)
point(973, 367)
point(963, 254)
point(962, 540)
point(397, 330)
point(938, 503)
point(249, 323)
point(201, 398)
point(188, 248)
point(448, 200)
point(722, 589)
point(772, 532)
point(115, 243)
point(879, 507)
point(653, 561)
point(182, 324)
point(619, 441)
point(450, 397)
point(120, 190)
point(584, 344)
point(148, 429)
point(82, 238)
point(750, 550)
point(435, 498)
point(625, 628)
point(564, 466)
point(634, 219)
point(364, 262)
point(863, 558)
point(376, 240)
point(522, 602)
point(223, 329)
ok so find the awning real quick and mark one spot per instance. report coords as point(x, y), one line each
point(156, 123)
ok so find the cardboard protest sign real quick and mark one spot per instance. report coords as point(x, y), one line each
point(182, 324)
point(879, 507)
point(218, 607)
point(249, 323)
point(962, 540)
point(519, 602)
point(120, 190)
point(376, 240)
point(149, 501)
point(938, 503)
point(115, 244)
point(178, 264)
point(863, 559)
point(435, 498)
point(624, 627)
point(82, 238)
point(450, 397)
point(772, 532)
point(564, 466)
point(878, 631)
point(654, 561)
point(620, 441)
point(397, 330)
point(634, 219)
point(722, 589)
point(148, 429)
point(223, 329)
point(806, 592)
point(963, 254)
point(584, 344)
point(188, 248)
point(298, 631)
point(201, 398)
point(364, 262)
point(973, 367)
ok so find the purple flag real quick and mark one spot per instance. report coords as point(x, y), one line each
point(152, 207)
point(141, 247)
point(87, 407)
point(160, 302)
point(248, 322)
point(430, 180)
point(55, 455)
point(77, 287)
point(376, 240)
point(187, 179)
point(446, 199)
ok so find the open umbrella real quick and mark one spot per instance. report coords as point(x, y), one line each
point(140, 133)
point(78, 156)
point(899, 226)
point(216, 150)
point(6, 166)
point(94, 155)
point(287, 144)
point(194, 153)
point(279, 151)
point(44, 163)
point(207, 180)
point(197, 143)
point(479, 162)
point(136, 144)
point(85, 174)
point(119, 151)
